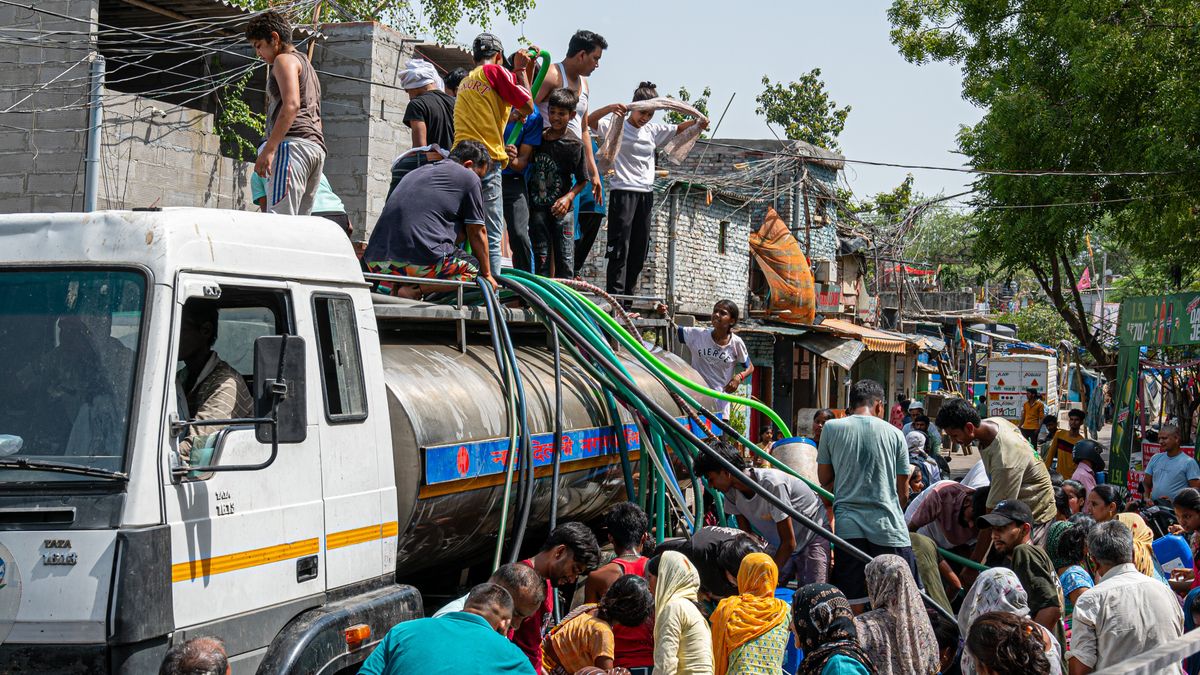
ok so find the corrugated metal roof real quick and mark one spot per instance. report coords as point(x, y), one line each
point(876, 341)
point(446, 57)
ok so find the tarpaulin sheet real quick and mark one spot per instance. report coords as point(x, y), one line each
point(792, 297)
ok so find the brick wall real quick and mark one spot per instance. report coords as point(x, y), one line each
point(703, 275)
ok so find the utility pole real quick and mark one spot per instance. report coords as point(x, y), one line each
point(91, 181)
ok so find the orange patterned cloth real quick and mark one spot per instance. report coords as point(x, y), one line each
point(792, 295)
point(753, 612)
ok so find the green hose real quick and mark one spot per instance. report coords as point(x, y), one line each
point(654, 365)
point(537, 85)
point(636, 346)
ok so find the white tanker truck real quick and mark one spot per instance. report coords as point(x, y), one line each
point(386, 458)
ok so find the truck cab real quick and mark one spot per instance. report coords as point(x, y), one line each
point(112, 544)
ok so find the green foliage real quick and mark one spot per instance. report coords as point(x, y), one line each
point(1104, 86)
point(803, 110)
point(234, 114)
point(1038, 322)
point(436, 17)
point(701, 104)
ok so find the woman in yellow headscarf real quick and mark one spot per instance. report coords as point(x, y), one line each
point(750, 630)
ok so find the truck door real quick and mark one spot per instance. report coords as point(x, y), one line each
point(246, 546)
point(360, 501)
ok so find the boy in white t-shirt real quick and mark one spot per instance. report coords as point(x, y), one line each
point(717, 354)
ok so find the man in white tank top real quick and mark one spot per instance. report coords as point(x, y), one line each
point(583, 58)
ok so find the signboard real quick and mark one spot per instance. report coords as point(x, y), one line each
point(1172, 320)
point(459, 461)
point(1138, 462)
point(1008, 406)
point(829, 299)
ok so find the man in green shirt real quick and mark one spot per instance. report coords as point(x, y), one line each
point(1010, 523)
point(470, 642)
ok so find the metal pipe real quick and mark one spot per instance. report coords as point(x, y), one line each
point(91, 181)
point(672, 221)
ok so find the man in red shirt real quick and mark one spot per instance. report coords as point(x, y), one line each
point(570, 552)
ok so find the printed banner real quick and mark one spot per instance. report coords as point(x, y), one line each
point(1162, 320)
point(459, 461)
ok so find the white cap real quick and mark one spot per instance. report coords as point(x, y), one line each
point(916, 403)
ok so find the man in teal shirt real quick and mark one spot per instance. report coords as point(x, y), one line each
point(863, 460)
point(460, 643)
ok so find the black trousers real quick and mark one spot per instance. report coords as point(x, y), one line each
point(628, 238)
point(516, 220)
point(589, 227)
point(553, 243)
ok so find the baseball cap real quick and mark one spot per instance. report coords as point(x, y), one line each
point(1007, 511)
point(486, 43)
point(915, 403)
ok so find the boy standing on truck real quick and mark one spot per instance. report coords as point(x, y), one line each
point(435, 208)
point(294, 154)
point(557, 162)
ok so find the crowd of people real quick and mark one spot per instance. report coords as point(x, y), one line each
point(492, 161)
point(1071, 581)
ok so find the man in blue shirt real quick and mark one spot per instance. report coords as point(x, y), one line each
point(1170, 471)
point(461, 643)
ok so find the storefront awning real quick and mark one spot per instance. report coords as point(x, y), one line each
point(841, 351)
point(876, 341)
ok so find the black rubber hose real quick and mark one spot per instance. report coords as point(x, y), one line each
point(527, 481)
point(842, 545)
point(558, 426)
point(502, 371)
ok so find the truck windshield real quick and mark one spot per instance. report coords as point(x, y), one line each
point(70, 339)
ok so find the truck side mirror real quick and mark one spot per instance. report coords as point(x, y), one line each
point(279, 389)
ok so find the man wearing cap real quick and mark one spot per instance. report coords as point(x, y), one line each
point(1010, 522)
point(429, 115)
point(915, 408)
point(485, 100)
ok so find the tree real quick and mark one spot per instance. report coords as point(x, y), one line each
point(1095, 98)
point(437, 17)
point(803, 110)
point(1038, 323)
point(701, 104)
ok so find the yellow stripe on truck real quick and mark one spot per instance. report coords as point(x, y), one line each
point(360, 535)
point(207, 567)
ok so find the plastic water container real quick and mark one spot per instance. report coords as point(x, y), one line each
point(1173, 552)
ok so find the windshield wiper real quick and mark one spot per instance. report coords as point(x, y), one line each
point(61, 467)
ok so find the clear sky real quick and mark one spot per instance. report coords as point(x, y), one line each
point(901, 113)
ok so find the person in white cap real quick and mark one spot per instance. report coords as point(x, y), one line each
point(916, 410)
point(429, 115)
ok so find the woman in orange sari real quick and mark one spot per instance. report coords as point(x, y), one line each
point(750, 630)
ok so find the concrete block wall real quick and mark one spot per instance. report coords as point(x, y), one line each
point(363, 121)
point(166, 159)
point(703, 275)
point(44, 136)
point(174, 159)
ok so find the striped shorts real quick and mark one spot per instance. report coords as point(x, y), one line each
point(294, 177)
